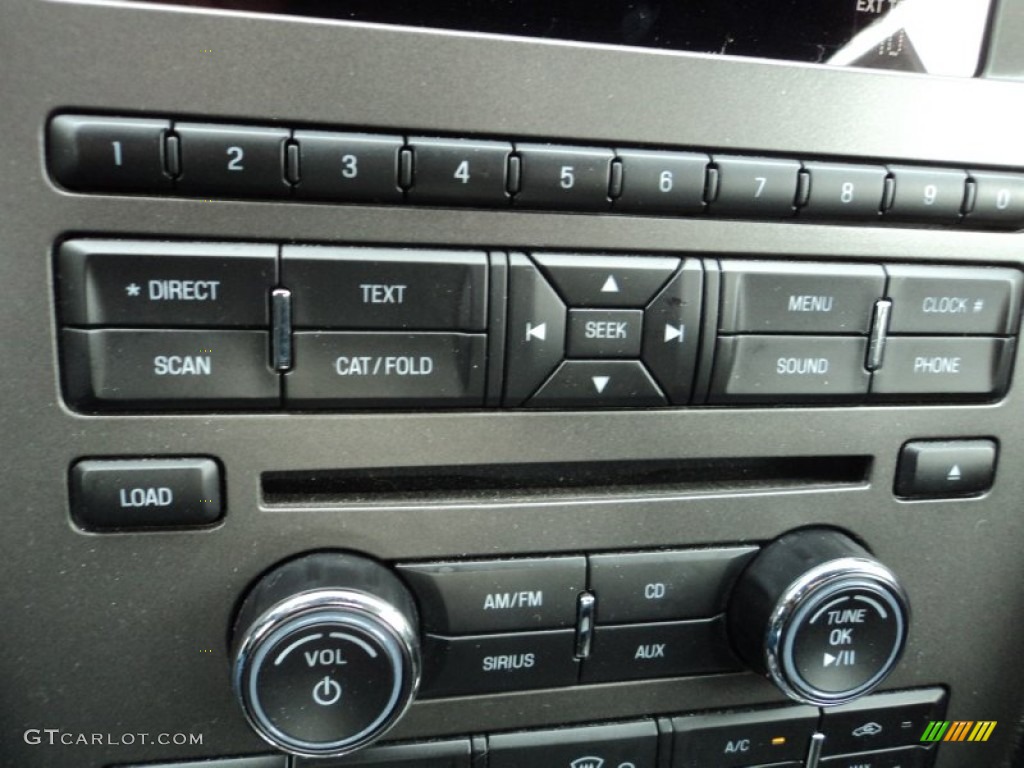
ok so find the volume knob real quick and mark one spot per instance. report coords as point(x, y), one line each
point(819, 616)
point(326, 654)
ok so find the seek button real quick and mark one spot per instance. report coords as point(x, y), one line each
point(605, 332)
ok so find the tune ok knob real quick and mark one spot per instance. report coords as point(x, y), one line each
point(819, 616)
point(326, 654)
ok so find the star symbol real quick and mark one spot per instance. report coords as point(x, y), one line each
point(132, 289)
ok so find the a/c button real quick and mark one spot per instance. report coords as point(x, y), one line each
point(741, 739)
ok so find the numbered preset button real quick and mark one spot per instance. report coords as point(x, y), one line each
point(564, 178)
point(232, 160)
point(999, 199)
point(841, 191)
point(927, 194)
point(661, 182)
point(354, 167)
point(109, 153)
point(755, 187)
point(459, 171)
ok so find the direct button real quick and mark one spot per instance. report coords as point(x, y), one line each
point(386, 289)
point(615, 745)
point(664, 649)
point(954, 300)
point(145, 493)
point(944, 366)
point(770, 369)
point(945, 468)
point(139, 283)
point(168, 370)
point(381, 370)
point(605, 332)
point(459, 666)
point(607, 281)
point(779, 297)
point(109, 153)
point(497, 595)
point(661, 586)
point(743, 738)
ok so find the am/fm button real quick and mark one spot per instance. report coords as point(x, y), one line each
point(497, 595)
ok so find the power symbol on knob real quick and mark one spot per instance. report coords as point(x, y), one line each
point(327, 692)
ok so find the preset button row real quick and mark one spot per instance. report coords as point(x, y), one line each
point(160, 156)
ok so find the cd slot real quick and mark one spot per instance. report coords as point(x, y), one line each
point(537, 482)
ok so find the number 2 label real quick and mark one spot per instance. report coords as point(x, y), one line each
point(236, 154)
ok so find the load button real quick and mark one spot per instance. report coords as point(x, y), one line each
point(144, 493)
